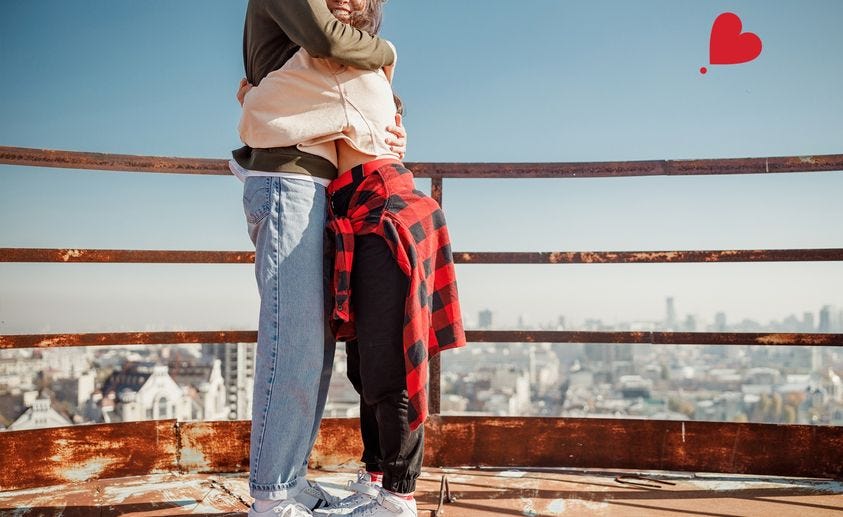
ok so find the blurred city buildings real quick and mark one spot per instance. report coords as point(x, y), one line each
point(801, 385)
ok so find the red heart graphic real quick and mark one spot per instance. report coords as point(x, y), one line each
point(728, 45)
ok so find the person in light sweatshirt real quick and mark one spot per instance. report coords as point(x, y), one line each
point(398, 304)
point(284, 200)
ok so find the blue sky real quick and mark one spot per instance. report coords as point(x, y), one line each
point(532, 81)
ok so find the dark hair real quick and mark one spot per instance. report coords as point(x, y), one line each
point(370, 19)
point(399, 104)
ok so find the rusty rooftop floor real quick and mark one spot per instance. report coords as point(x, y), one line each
point(477, 492)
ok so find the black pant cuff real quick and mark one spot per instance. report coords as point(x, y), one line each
point(399, 486)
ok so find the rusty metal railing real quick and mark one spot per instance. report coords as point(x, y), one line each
point(460, 257)
point(816, 442)
point(473, 336)
point(161, 164)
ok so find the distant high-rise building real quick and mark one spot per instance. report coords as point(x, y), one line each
point(817, 363)
point(484, 319)
point(808, 322)
point(690, 323)
point(560, 323)
point(825, 324)
point(670, 316)
point(237, 361)
point(720, 322)
point(830, 319)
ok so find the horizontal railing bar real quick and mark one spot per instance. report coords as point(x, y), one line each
point(643, 257)
point(713, 166)
point(460, 257)
point(111, 162)
point(655, 338)
point(172, 165)
point(125, 256)
point(474, 336)
point(43, 457)
point(125, 338)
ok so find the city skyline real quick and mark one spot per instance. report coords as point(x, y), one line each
point(828, 318)
point(57, 387)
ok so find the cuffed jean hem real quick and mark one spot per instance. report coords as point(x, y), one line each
point(277, 491)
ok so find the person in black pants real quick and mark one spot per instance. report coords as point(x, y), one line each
point(376, 366)
point(392, 453)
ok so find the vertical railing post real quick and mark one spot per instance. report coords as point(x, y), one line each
point(435, 364)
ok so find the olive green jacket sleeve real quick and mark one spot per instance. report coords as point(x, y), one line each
point(309, 24)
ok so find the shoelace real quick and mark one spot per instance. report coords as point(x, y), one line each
point(361, 486)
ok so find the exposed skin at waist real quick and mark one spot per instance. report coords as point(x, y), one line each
point(349, 157)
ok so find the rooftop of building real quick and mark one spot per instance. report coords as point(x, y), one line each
point(473, 492)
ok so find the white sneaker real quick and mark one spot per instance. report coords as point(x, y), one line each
point(287, 508)
point(313, 496)
point(387, 505)
point(364, 490)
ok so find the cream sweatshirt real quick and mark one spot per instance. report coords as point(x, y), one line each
point(311, 102)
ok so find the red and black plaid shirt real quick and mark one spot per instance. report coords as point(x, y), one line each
point(385, 202)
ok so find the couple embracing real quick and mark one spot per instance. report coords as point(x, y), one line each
point(346, 248)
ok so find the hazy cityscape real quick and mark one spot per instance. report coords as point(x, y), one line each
point(802, 385)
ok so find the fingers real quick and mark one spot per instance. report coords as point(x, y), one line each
point(397, 140)
point(398, 131)
point(400, 139)
point(242, 90)
point(399, 148)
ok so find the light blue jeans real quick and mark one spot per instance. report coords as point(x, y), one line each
point(295, 350)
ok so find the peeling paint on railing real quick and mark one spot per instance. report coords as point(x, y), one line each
point(78, 453)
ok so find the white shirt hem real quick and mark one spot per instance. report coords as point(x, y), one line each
point(242, 174)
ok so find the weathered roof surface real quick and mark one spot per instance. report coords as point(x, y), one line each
point(187, 373)
point(477, 492)
point(11, 407)
point(131, 377)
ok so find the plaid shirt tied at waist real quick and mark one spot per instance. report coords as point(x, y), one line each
point(380, 197)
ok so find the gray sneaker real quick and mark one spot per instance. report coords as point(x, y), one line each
point(288, 508)
point(314, 497)
point(364, 490)
point(387, 505)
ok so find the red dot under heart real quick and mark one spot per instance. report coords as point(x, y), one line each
point(728, 46)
